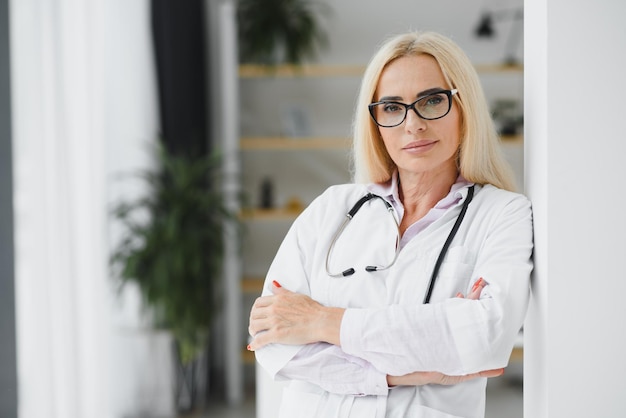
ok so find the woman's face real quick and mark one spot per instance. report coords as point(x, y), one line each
point(418, 146)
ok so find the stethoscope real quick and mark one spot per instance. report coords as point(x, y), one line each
point(352, 212)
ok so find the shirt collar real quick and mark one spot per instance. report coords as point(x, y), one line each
point(390, 190)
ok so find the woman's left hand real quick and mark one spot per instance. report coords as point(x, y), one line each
point(292, 318)
point(436, 378)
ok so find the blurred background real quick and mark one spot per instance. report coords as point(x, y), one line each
point(134, 134)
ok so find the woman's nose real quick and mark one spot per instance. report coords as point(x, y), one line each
point(413, 123)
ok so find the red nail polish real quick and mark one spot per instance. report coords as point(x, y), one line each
point(276, 283)
point(249, 348)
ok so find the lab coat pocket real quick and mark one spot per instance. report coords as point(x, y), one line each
point(297, 403)
point(454, 274)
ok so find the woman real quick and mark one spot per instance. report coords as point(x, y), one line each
point(350, 312)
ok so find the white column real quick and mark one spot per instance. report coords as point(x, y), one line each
point(575, 338)
point(229, 105)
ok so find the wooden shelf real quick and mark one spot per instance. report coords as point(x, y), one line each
point(269, 214)
point(509, 139)
point(318, 70)
point(517, 354)
point(278, 143)
point(258, 71)
point(499, 68)
point(247, 357)
point(252, 284)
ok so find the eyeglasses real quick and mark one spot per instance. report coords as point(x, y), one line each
point(436, 105)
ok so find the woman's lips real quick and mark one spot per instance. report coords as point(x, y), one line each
point(419, 146)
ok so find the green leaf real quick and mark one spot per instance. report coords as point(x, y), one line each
point(269, 25)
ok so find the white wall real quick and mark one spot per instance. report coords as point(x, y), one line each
point(575, 336)
point(356, 28)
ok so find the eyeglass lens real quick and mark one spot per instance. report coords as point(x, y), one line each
point(433, 106)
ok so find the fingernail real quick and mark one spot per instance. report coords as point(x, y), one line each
point(459, 295)
point(275, 283)
point(249, 347)
point(478, 283)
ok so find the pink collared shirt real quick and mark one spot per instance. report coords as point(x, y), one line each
point(390, 192)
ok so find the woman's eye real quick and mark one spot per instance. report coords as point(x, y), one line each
point(392, 108)
point(434, 100)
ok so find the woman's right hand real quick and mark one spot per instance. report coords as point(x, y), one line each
point(436, 378)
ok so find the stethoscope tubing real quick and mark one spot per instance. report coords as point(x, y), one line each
point(351, 213)
point(433, 278)
point(446, 245)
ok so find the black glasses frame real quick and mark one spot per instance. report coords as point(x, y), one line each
point(449, 93)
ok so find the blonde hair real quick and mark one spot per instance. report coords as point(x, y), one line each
point(480, 158)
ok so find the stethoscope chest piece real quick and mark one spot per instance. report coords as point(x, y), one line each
point(348, 217)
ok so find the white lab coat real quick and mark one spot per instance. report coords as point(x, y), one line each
point(386, 329)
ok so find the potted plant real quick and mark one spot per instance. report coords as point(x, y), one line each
point(279, 31)
point(173, 246)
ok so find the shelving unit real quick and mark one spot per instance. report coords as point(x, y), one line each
point(265, 227)
point(280, 156)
